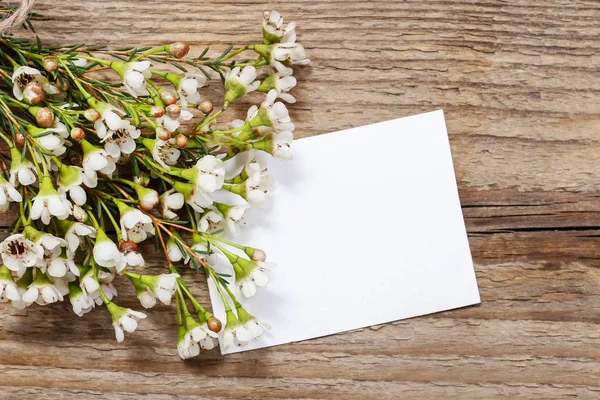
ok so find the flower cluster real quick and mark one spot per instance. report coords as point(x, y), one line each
point(96, 167)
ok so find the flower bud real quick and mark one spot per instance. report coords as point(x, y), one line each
point(44, 117)
point(19, 139)
point(181, 141)
point(127, 246)
point(167, 97)
point(205, 107)
point(179, 49)
point(173, 111)
point(259, 255)
point(157, 111)
point(77, 134)
point(91, 115)
point(63, 85)
point(33, 93)
point(50, 64)
point(162, 134)
point(214, 324)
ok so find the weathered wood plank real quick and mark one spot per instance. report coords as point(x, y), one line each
point(519, 85)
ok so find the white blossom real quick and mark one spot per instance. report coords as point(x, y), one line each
point(19, 253)
point(275, 31)
point(171, 200)
point(188, 88)
point(165, 152)
point(42, 292)
point(135, 225)
point(134, 77)
point(209, 222)
point(23, 75)
point(50, 203)
point(121, 140)
point(124, 320)
point(8, 194)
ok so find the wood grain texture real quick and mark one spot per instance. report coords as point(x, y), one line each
point(519, 82)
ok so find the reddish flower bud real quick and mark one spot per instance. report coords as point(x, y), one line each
point(91, 115)
point(163, 134)
point(167, 97)
point(181, 141)
point(157, 111)
point(77, 134)
point(206, 107)
point(50, 64)
point(63, 85)
point(44, 117)
point(179, 49)
point(33, 93)
point(19, 139)
point(173, 111)
point(214, 324)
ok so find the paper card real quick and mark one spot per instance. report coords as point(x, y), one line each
point(366, 227)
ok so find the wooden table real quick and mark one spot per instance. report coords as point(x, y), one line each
point(519, 82)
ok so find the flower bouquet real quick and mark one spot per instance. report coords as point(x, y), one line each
point(107, 148)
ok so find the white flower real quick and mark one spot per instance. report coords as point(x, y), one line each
point(239, 81)
point(146, 297)
point(256, 187)
point(209, 222)
point(21, 169)
point(49, 203)
point(172, 124)
point(280, 145)
point(96, 159)
point(163, 286)
point(186, 347)
point(52, 143)
point(171, 200)
point(165, 152)
point(196, 336)
point(251, 274)
point(110, 119)
point(234, 333)
point(75, 232)
point(70, 180)
point(81, 302)
point(148, 198)
point(106, 253)
point(274, 30)
point(42, 292)
point(121, 140)
point(282, 85)
point(287, 53)
point(58, 267)
point(135, 225)
point(8, 193)
point(211, 173)
point(88, 282)
point(234, 217)
point(124, 320)
point(19, 253)
point(23, 75)
point(188, 88)
point(194, 197)
point(271, 114)
point(8, 288)
point(134, 77)
point(256, 328)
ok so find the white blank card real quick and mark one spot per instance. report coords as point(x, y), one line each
point(366, 227)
